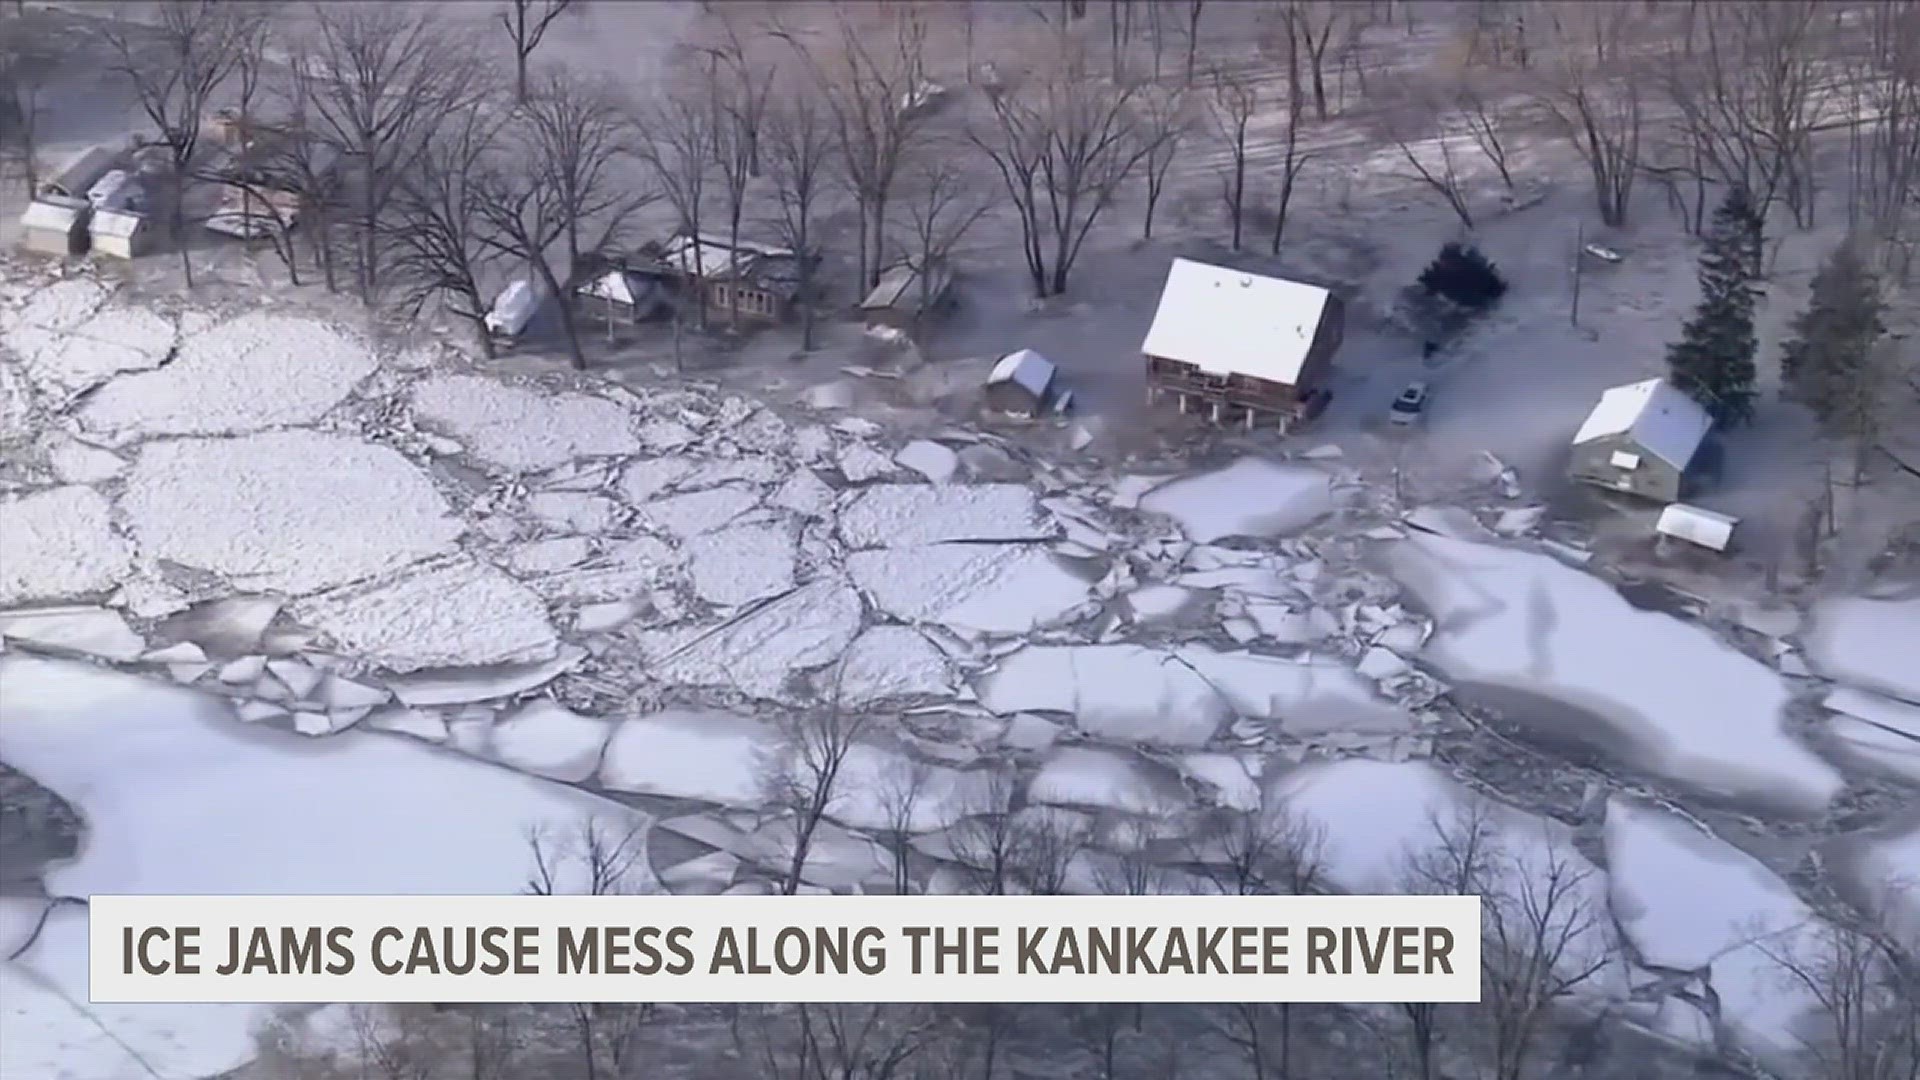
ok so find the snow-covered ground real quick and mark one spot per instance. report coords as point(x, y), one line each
point(526, 594)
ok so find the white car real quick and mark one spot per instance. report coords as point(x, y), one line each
point(1409, 405)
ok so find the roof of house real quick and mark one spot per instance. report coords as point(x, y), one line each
point(116, 223)
point(79, 171)
point(1231, 322)
point(900, 286)
point(717, 255)
point(1663, 421)
point(620, 286)
point(1026, 369)
point(47, 215)
point(514, 307)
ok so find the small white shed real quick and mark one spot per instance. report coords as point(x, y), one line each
point(1021, 383)
point(119, 234)
point(54, 226)
point(513, 309)
point(1695, 525)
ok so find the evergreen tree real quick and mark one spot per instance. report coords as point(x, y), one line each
point(1713, 361)
point(1833, 362)
point(1829, 360)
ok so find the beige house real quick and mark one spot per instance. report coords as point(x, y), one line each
point(758, 281)
point(54, 226)
point(905, 296)
point(1241, 345)
point(1643, 439)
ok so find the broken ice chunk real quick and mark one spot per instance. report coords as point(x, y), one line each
point(548, 739)
point(94, 631)
point(929, 459)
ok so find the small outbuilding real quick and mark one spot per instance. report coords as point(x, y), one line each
point(905, 297)
point(622, 294)
point(1233, 342)
point(513, 309)
point(1023, 383)
point(54, 226)
point(83, 170)
point(1645, 439)
point(1697, 526)
point(119, 234)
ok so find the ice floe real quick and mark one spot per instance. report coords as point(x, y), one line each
point(459, 613)
point(740, 564)
point(59, 543)
point(980, 588)
point(1251, 497)
point(517, 428)
point(216, 384)
point(890, 663)
point(547, 739)
point(1680, 703)
point(901, 515)
point(156, 770)
point(285, 511)
point(1868, 642)
point(691, 754)
point(758, 651)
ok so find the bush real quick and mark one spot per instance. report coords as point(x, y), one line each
point(1464, 276)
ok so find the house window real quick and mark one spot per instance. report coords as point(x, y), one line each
point(1623, 460)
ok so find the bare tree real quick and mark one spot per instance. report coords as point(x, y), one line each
point(1062, 149)
point(174, 66)
point(595, 857)
point(900, 793)
point(438, 222)
point(1749, 100)
point(1190, 29)
point(578, 136)
point(677, 138)
point(835, 1042)
point(1048, 848)
point(1487, 121)
point(940, 208)
point(523, 214)
point(24, 69)
point(1590, 86)
point(986, 842)
point(1232, 106)
point(872, 94)
point(526, 23)
point(1414, 120)
point(1301, 31)
point(1459, 857)
point(798, 142)
point(1293, 159)
point(1884, 145)
point(1866, 990)
point(379, 78)
point(1165, 120)
point(802, 774)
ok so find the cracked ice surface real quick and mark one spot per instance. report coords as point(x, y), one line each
point(984, 588)
point(462, 613)
point(1127, 693)
point(113, 341)
point(887, 663)
point(901, 515)
point(1182, 698)
point(755, 653)
point(1681, 703)
point(1251, 497)
point(1106, 778)
point(522, 429)
point(285, 511)
point(258, 371)
point(151, 767)
point(58, 543)
point(1734, 916)
point(742, 564)
point(699, 511)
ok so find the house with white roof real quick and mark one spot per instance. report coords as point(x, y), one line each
point(1645, 439)
point(1241, 345)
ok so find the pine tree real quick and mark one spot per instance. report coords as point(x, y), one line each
point(1832, 362)
point(1713, 361)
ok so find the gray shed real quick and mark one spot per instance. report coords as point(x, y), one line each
point(53, 226)
point(1644, 439)
point(1022, 383)
point(81, 172)
point(896, 301)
